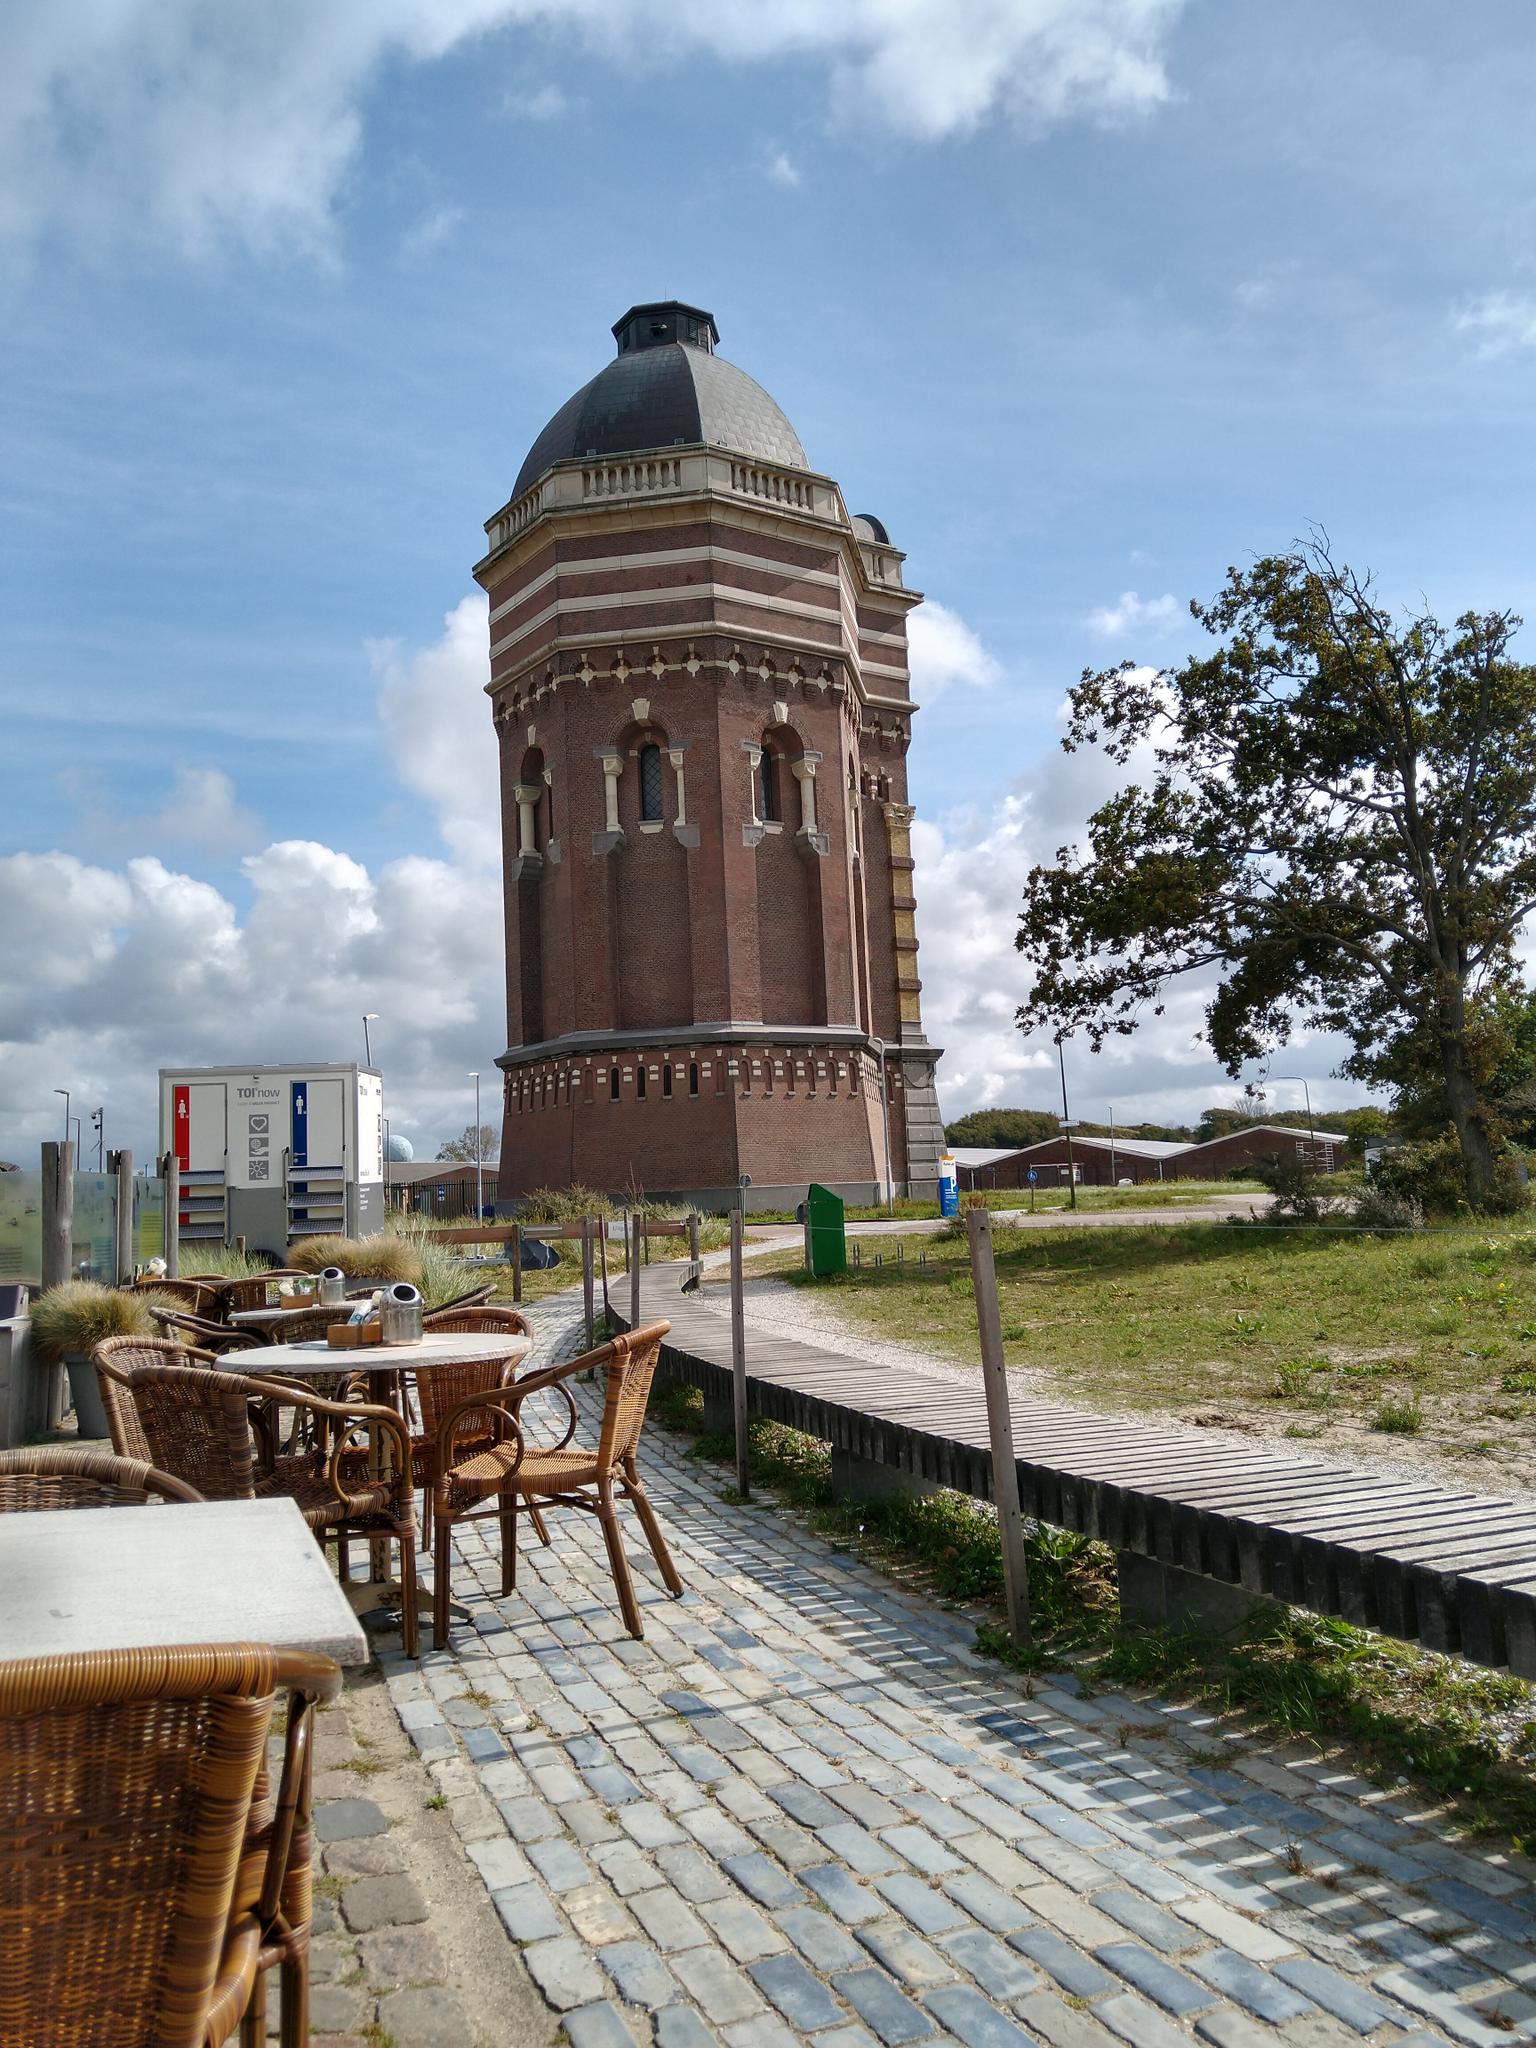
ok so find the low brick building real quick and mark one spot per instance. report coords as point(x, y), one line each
point(1105, 1162)
point(700, 691)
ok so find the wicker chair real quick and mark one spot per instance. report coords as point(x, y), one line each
point(520, 1477)
point(115, 1359)
point(213, 1338)
point(473, 1299)
point(198, 1424)
point(135, 1909)
point(304, 1325)
point(445, 1386)
point(59, 1476)
point(252, 1293)
point(202, 1295)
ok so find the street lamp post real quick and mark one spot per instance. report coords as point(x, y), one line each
point(99, 1125)
point(65, 1093)
point(479, 1172)
point(1306, 1093)
point(885, 1119)
point(1066, 1125)
point(369, 1017)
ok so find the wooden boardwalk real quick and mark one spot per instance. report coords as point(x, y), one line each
point(1450, 1570)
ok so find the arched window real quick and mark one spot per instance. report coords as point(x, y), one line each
point(613, 1084)
point(666, 1079)
point(693, 1077)
point(640, 1081)
point(768, 787)
point(650, 784)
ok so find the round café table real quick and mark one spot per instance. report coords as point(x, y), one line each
point(384, 1364)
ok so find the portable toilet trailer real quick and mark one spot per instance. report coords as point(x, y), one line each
point(274, 1153)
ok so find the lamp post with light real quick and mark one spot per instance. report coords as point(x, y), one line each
point(1307, 1098)
point(65, 1093)
point(369, 1017)
point(1066, 1125)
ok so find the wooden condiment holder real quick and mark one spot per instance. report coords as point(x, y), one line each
point(353, 1336)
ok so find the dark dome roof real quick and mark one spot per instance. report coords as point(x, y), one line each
point(667, 386)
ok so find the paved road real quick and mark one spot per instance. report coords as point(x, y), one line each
point(803, 1811)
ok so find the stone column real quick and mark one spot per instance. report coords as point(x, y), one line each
point(527, 794)
point(613, 768)
point(805, 774)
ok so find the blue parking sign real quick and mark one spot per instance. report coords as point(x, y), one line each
point(1033, 1175)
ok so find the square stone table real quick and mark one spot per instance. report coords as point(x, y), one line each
point(218, 1571)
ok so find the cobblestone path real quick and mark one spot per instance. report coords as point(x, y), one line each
point(803, 1808)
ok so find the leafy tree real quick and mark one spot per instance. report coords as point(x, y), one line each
point(1003, 1127)
point(1339, 816)
point(462, 1148)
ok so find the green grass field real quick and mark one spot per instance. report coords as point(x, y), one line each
point(1424, 1342)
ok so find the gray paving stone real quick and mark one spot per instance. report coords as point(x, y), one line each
point(1160, 1981)
point(668, 1920)
point(859, 1850)
point(763, 2030)
point(986, 1902)
point(1147, 1922)
point(501, 1863)
point(527, 1914)
point(922, 1850)
point(819, 1938)
point(679, 2026)
point(1072, 1970)
point(726, 1993)
point(649, 1825)
point(695, 1876)
point(338, 2008)
point(343, 1820)
point(597, 1916)
point(598, 2026)
point(381, 1902)
point(1352, 2003)
point(887, 2012)
point(561, 1867)
point(1000, 1971)
point(894, 1944)
point(972, 2020)
point(1137, 2022)
point(742, 1930)
point(1065, 2026)
point(851, 2036)
point(639, 1974)
point(929, 1911)
point(425, 2016)
point(802, 1803)
point(837, 1890)
point(1254, 1989)
point(803, 1999)
point(763, 1880)
point(1442, 2008)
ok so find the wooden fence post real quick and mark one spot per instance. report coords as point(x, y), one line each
point(994, 1379)
point(634, 1291)
point(170, 1249)
point(586, 1280)
point(602, 1257)
point(120, 1164)
point(517, 1262)
point(739, 1356)
point(695, 1263)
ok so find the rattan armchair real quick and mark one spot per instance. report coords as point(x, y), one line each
point(448, 1386)
point(519, 1477)
point(136, 1910)
point(214, 1338)
point(202, 1294)
point(252, 1293)
point(198, 1424)
point(115, 1359)
point(59, 1476)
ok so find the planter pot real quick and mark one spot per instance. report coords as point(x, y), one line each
point(85, 1397)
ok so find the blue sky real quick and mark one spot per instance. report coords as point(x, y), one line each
point(1083, 300)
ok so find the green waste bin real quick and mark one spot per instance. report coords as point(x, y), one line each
point(824, 1223)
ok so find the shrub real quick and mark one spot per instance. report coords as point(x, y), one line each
point(69, 1321)
point(1399, 1418)
point(1431, 1174)
point(1298, 1189)
point(565, 1205)
point(1383, 1210)
point(391, 1255)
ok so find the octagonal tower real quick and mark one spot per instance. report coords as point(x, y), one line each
point(700, 689)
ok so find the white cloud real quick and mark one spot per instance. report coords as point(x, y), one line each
point(438, 721)
point(181, 124)
point(945, 652)
point(1499, 323)
point(1253, 294)
point(549, 103)
point(782, 170)
point(430, 233)
point(1133, 614)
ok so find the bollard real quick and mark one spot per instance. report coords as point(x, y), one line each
point(120, 1165)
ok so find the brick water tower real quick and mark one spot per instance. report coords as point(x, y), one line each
point(699, 682)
